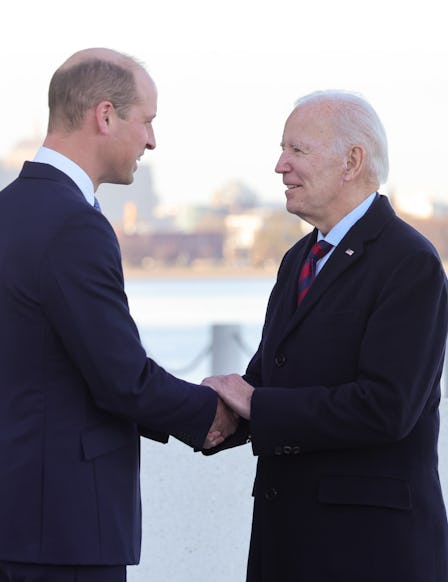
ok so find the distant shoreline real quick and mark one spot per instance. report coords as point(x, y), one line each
point(200, 272)
point(204, 272)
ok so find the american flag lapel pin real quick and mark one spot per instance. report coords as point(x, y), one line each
point(349, 252)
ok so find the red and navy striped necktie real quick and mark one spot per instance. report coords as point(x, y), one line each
point(308, 271)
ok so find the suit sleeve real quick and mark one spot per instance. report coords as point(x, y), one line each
point(401, 353)
point(153, 435)
point(253, 376)
point(84, 299)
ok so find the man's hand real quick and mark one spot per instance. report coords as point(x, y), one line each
point(235, 392)
point(224, 425)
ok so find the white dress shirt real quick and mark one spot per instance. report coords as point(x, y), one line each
point(80, 178)
point(340, 229)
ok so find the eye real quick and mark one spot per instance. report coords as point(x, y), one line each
point(149, 120)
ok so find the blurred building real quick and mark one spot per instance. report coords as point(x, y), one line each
point(234, 197)
point(12, 162)
point(130, 206)
point(171, 248)
point(241, 231)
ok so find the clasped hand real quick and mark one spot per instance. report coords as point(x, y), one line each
point(235, 396)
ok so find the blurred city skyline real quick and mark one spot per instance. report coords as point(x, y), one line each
point(228, 76)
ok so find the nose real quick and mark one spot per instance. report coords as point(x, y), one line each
point(151, 138)
point(282, 164)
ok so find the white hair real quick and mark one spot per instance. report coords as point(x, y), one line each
point(356, 123)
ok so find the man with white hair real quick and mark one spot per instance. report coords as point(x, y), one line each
point(340, 402)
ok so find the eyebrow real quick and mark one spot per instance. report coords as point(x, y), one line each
point(294, 144)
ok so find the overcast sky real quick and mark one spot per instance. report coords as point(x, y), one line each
point(228, 74)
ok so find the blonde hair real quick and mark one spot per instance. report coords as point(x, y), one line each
point(76, 88)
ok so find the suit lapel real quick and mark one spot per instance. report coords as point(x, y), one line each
point(349, 251)
point(295, 261)
point(282, 305)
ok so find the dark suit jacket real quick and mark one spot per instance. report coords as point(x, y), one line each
point(76, 387)
point(345, 414)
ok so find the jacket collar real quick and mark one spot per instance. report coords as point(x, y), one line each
point(349, 251)
point(38, 170)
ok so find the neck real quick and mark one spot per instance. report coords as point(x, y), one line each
point(74, 146)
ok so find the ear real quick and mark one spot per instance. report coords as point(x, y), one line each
point(104, 113)
point(354, 163)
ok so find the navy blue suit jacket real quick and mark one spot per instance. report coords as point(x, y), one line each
point(76, 387)
point(345, 416)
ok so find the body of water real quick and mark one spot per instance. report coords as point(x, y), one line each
point(197, 510)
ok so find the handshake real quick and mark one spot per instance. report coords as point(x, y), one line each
point(234, 400)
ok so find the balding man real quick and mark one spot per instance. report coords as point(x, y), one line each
point(76, 387)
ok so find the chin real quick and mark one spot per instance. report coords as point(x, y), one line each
point(290, 207)
point(293, 209)
point(126, 180)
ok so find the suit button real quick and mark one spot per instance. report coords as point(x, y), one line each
point(271, 494)
point(287, 450)
point(296, 450)
point(280, 360)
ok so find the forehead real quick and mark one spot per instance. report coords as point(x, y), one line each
point(309, 123)
point(146, 90)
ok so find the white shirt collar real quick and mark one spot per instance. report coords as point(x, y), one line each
point(340, 229)
point(76, 173)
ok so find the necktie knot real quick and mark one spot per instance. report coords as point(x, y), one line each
point(308, 271)
point(320, 249)
point(96, 204)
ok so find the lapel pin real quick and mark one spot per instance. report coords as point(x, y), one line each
point(349, 252)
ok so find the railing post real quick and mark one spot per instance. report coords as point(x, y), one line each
point(226, 352)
